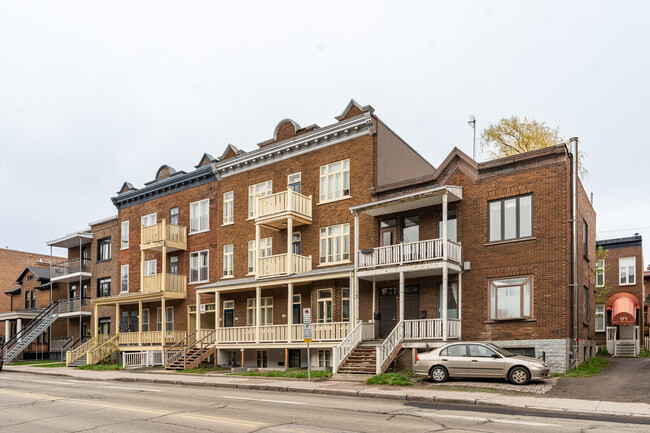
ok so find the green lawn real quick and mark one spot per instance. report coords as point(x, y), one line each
point(203, 369)
point(101, 367)
point(51, 365)
point(589, 368)
point(393, 379)
point(34, 362)
point(292, 372)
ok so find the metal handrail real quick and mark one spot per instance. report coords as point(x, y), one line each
point(185, 348)
point(28, 328)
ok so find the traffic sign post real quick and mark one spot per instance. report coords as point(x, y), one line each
point(306, 320)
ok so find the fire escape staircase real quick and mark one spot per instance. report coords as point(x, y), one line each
point(191, 351)
point(15, 345)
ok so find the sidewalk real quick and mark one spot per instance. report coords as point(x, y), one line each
point(352, 389)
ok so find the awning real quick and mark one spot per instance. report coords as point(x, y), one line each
point(623, 307)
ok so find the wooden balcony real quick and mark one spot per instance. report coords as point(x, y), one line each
point(274, 209)
point(174, 283)
point(277, 265)
point(408, 253)
point(160, 235)
point(321, 332)
point(430, 329)
point(150, 338)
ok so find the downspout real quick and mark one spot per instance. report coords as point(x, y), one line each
point(574, 220)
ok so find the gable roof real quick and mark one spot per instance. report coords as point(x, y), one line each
point(354, 104)
point(42, 274)
point(205, 159)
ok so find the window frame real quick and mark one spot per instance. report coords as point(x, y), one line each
point(145, 313)
point(325, 301)
point(290, 184)
point(167, 317)
point(175, 215)
point(203, 209)
point(253, 195)
point(324, 358)
point(103, 284)
point(329, 240)
point(199, 266)
point(228, 208)
point(600, 314)
point(325, 174)
point(527, 279)
point(148, 265)
point(344, 300)
point(585, 305)
point(122, 279)
point(148, 217)
point(600, 272)
point(585, 239)
point(627, 275)
point(502, 226)
point(124, 240)
point(228, 268)
point(101, 244)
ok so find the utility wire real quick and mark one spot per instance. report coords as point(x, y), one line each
point(622, 230)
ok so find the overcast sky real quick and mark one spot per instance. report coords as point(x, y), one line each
point(96, 93)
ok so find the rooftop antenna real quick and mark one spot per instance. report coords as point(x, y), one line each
point(472, 123)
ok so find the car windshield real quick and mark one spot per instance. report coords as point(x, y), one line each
point(500, 351)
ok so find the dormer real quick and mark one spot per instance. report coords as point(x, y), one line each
point(205, 160)
point(126, 187)
point(230, 152)
point(354, 109)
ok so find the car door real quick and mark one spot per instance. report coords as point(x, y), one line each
point(485, 362)
point(455, 360)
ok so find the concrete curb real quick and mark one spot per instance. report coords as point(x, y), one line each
point(379, 393)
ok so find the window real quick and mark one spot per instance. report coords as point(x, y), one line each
point(387, 232)
point(30, 299)
point(104, 249)
point(173, 215)
point(476, 351)
point(173, 265)
point(125, 235)
point(324, 305)
point(228, 251)
point(199, 216)
point(149, 220)
point(266, 306)
point(324, 358)
point(600, 273)
point(510, 218)
point(452, 225)
point(585, 239)
point(293, 182)
point(145, 320)
point(30, 277)
point(259, 190)
point(511, 298)
point(251, 257)
point(335, 180)
point(297, 311)
point(150, 267)
point(104, 325)
point(295, 243)
point(124, 283)
point(228, 207)
point(335, 243)
point(199, 266)
point(455, 350)
point(169, 319)
point(626, 270)
point(262, 358)
point(452, 300)
point(411, 229)
point(266, 245)
point(73, 291)
point(103, 287)
point(600, 318)
point(345, 304)
point(585, 304)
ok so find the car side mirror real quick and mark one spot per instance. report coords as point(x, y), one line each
point(496, 356)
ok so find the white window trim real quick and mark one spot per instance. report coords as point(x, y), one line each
point(198, 254)
point(343, 299)
point(228, 204)
point(298, 175)
point(324, 300)
point(122, 237)
point(602, 313)
point(343, 196)
point(228, 272)
point(167, 316)
point(147, 266)
point(600, 267)
point(149, 216)
point(148, 322)
point(200, 204)
point(627, 276)
point(252, 211)
point(122, 274)
point(327, 237)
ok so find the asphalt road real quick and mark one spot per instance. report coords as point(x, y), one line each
point(30, 403)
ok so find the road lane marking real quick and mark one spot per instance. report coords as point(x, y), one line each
point(263, 399)
point(132, 389)
point(482, 419)
point(54, 382)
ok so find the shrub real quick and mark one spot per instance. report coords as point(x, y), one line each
point(393, 379)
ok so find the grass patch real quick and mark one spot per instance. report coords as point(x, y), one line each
point(51, 365)
point(645, 354)
point(101, 367)
point(589, 368)
point(292, 373)
point(34, 362)
point(202, 369)
point(393, 379)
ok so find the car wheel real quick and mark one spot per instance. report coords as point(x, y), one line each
point(439, 374)
point(519, 376)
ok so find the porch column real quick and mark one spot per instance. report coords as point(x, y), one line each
point(445, 200)
point(163, 285)
point(96, 318)
point(289, 311)
point(7, 330)
point(258, 312)
point(163, 320)
point(117, 319)
point(142, 271)
point(445, 284)
point(290, 267)
point(374, 294)
point(19, 327)
point(352, 290)
point(401, 295)
point(198, 315)
point(460, 294)
point(217, 309)
point(257, 249)
point(140, 322)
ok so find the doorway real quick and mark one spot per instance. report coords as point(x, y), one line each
point(411, 303)
point(294, 358)
point(228, 314)
point(387, 310)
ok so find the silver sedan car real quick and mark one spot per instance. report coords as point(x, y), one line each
point(481, 360)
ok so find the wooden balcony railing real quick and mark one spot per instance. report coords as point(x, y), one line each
point(334, 331)
point(430, 329)
point(321, 332)
point(173, 235)
point(287, 201)
point(273, 266)
point(412, 252)
point(239, 334)
point(173, 283)
point(151, 338)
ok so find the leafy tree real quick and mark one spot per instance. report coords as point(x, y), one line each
point(602, 292)
point(511, 136)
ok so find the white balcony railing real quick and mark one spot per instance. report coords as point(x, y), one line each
point(239, 334)
point(411, 252)
point(430, 329)
point(334, 331)
point(282, 202)
point(272, 266)
point(273, 333)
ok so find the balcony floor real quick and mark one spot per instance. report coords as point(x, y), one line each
point(413, 270)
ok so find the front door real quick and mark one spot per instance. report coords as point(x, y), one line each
point(411, 303)
point(387, 233)
point(387, 310)
point(228, 318)
point(294, 358)
point(455, 360)
point(484, 362)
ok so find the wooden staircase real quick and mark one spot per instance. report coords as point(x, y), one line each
point(192, 358)
point(82, 360)
point(362, 360)
point(190, 351)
